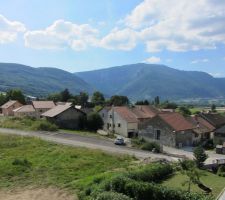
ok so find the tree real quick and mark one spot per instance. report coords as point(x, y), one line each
point(83, 99)
point(117, 100)
point(169, 105)
point(15, 94)
point(65, 95)
point(157, 100)
point(54, 97)
point(184, 110)
point(98, 98)
point(2, 99)
point(200, 156)
point(145, 102)
point(94, 121)
point(188, 168)
point(213, 108)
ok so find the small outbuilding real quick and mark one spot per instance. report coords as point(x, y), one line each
point(7, 108)
point(25, 111)
point(65, 116)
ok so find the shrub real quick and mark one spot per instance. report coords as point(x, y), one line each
point(152, 173)
point(150, 146)
point(44, 126)
point(221, 171)
point(200, 156)
point(112, 196)
point(94, 121)
point(23, 162)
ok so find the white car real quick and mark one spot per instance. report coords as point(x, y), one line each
point(119, 141)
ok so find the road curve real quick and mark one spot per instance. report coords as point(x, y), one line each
point(88, 142)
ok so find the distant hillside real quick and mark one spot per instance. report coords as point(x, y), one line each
point(39, 81)
point(144, 81)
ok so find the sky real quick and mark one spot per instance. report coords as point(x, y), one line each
point(82, 35)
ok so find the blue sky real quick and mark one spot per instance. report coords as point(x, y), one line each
point(80, 35)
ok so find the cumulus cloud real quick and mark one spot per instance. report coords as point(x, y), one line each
point(9, 30)
point(153, 59)
point(62, 34)
point(204, 60)
point(124, 39)
point(178, 25)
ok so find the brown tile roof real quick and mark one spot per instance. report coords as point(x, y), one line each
point(144, 111)
point(8, 104)
point(25, 109)
point(217, 120)
point(56, 110)
point(43, 104)
point(126, 114)
point(201, 125)
point(176, 121)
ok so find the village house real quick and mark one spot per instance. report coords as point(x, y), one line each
point(215, 119)
point(7, 108)
point(203, 130)
point(42, 106)
point(125, 120)
point(122, 121)
point(170, 129)
point(65, 116)
point(25, 111)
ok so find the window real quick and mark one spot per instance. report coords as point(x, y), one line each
point(158, 132)
point(110, 116)
point(119, 125)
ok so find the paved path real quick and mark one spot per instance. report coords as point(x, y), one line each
point(88, 142)
point(222, 195)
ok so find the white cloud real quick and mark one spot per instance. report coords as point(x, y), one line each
point(124, 39)
point(9, 30)
point(153, 59)
point(179, 25)
point(62, 34)
point(204, 60)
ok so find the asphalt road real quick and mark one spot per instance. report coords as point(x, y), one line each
point(88, 142)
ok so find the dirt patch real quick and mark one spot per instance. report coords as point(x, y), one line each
point(36, 194)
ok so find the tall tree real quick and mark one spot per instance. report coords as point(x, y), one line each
point(98, 98)
point(2, 99)
point(83, 99)
point(65, 95)
point(200, 156)
point(117, 100)
point(157, 100)
point(213, 108)
point(15, 94)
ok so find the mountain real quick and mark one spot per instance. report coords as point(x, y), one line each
point(145, 81)
point(39, 81)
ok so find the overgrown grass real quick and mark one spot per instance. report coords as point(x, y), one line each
point(26, 161)
point(213, 181)
point(27, 123)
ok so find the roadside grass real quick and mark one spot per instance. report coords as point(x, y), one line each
point(26, 161)
point(27, 123)
point(211, 180)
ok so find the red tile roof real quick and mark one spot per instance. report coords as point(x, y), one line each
point(126, 114)
point(176, 121)
point(144, 111)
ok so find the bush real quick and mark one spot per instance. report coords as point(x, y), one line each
point(151, 146)
point(44, 126)
point(94, 121)
point(144, 191)
point(112, 196)
point(200, 156)
point(221, 171)
point(152, 173)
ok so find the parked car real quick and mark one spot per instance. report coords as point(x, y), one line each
point(119, 141)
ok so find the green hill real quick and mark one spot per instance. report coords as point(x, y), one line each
point(39, 81)
point(144, 81)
